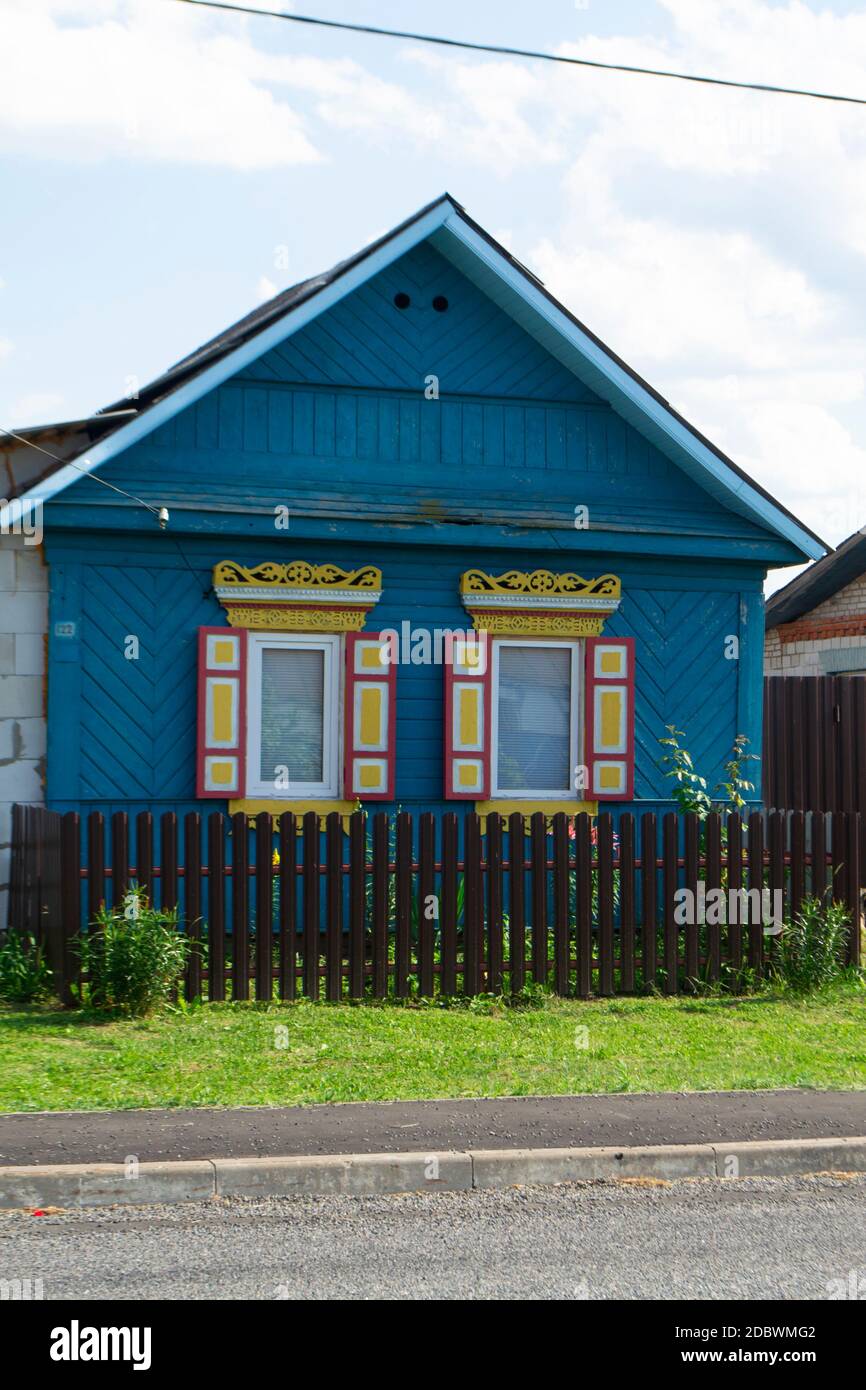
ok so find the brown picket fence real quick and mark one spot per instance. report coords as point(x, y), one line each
point(384, 905)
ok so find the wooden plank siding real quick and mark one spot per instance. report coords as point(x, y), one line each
point(136, 720)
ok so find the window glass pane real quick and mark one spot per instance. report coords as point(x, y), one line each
point(293, 701)
point(534, 719)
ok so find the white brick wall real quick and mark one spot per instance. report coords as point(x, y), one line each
point(23, 626)
point(804, 658)
point(849, 602)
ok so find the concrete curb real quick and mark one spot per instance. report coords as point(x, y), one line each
point(108, 1184)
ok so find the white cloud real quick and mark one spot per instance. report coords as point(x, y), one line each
point(713, 239)
point(265, 289)
point(138, 80)
point(6, 348)
point(716, 239)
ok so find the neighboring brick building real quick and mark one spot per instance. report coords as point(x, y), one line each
point(816, 625)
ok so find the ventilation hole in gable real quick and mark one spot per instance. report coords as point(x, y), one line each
point(440, 304)
point(402, 300)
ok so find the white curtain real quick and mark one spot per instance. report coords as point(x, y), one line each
point(535, 718)
point(293, 703)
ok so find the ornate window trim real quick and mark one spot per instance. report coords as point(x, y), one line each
point(539, 603)
point(297, 596)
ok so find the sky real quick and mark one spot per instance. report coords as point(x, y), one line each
point(163, 170)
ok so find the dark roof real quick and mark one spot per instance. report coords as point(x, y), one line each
point(283, 304)
point(818, 582)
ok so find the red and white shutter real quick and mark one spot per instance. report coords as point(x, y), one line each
point(467, 718)
point(371, 717)
point(609, 721)
point(222, 669)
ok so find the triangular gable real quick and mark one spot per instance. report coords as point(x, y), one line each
point(521, 296)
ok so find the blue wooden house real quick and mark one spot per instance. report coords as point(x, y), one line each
point(429, 541)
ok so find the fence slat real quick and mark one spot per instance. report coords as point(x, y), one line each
point(448, 906)
point(735, 883)
point(240, 907)
point(216, 906)
point(713, 876)
point(264, 907)
point(311, 905)
point(119, 857)
point(828, 705)
point(473, 904)
point(776, 875)
point(357, 902)
point(427, 902)
point(538, 861)
point(380, 905)
point(17, 877)
point(670, 878)
point(495, 945)
point(798, 861)
point(192, 900)
point(70, 900)
point(516, 902)
point(168, 861)
point(818, 878)
point(838, 884)
point(403, 895)
point(605, 904)
point(690, 842)
point(95, 865)
point(583, 902)
point(288, 904)
point(649, 908)
point(756, 881)
point(852, 855)
point(626, 902)
point(859, 733)
point(561, 934)
point(144, 855)
point(334, 908)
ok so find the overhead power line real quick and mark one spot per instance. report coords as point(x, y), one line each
point(70, 463)
point(503, 50)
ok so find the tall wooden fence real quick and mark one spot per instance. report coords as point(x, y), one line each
point(814, 756)
point(281, 909)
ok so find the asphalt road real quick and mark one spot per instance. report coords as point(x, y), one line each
point(758, 1238)
point(520, 1122)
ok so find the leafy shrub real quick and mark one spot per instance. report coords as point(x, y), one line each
point(810, 951)
point(24, 974)
point(135, 956)
point(690, 788)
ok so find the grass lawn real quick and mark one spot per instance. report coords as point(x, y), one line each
point(248, 1054)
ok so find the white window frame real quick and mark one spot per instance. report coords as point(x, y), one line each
point(570, 793)
point(332, 646)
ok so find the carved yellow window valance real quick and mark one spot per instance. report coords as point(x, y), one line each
point(539, 602)
point(297, 596)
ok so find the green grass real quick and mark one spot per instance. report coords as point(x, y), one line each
point(228, 1054)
